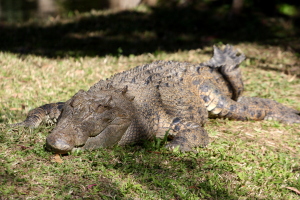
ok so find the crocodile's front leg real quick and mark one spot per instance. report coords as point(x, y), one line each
point(187, 135)
point(48, 113)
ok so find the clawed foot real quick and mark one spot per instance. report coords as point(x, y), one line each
point(180, 144)
point(227, 58)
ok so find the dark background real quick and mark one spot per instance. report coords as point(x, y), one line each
point(169, 26)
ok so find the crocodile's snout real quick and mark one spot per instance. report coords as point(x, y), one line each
point(64, 138)
point(58, 145)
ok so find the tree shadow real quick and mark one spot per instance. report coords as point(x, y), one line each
point(131, 32)
point(150, 171)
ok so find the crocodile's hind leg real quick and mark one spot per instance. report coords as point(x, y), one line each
point(185, 116)
point(246, 108)
point(48, 113)
point(228, 61)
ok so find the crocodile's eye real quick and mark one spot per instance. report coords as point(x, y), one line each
point(79, 98)
point(75, 102)
point(99, 108)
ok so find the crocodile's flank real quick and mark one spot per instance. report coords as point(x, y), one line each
point(154, 99)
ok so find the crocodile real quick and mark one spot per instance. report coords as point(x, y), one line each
point(152, 100)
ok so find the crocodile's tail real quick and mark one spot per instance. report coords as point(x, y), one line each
point(48, 113)
point(272, 109)
point(228, 61)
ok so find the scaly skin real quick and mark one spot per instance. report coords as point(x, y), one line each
point(153, 99)
point(48, 113)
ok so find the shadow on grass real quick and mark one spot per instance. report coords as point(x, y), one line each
point(165, 174)
point(139, 171)
point(161, 29)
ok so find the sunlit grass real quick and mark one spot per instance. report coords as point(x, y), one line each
point(245, 160)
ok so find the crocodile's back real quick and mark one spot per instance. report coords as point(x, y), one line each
point(158, 70)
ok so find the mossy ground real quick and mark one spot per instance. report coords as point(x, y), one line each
point(244, 160)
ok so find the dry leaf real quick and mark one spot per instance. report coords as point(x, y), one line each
point(15, 109)
point(57, 158)
point(22, 147)
point(90, 186)
point(294, 189)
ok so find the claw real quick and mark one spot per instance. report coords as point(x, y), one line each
point(226, 57)
point(181, 148)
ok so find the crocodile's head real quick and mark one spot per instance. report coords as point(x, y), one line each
point(91, 121)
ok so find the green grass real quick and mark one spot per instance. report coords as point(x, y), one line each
point(244, 160)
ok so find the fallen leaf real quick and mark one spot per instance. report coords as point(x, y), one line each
point(15, 109)
point(90, 186)
point(156, 152)
point(57, 158)
point(193, 187)
point(22, 147)
point(294, 189)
